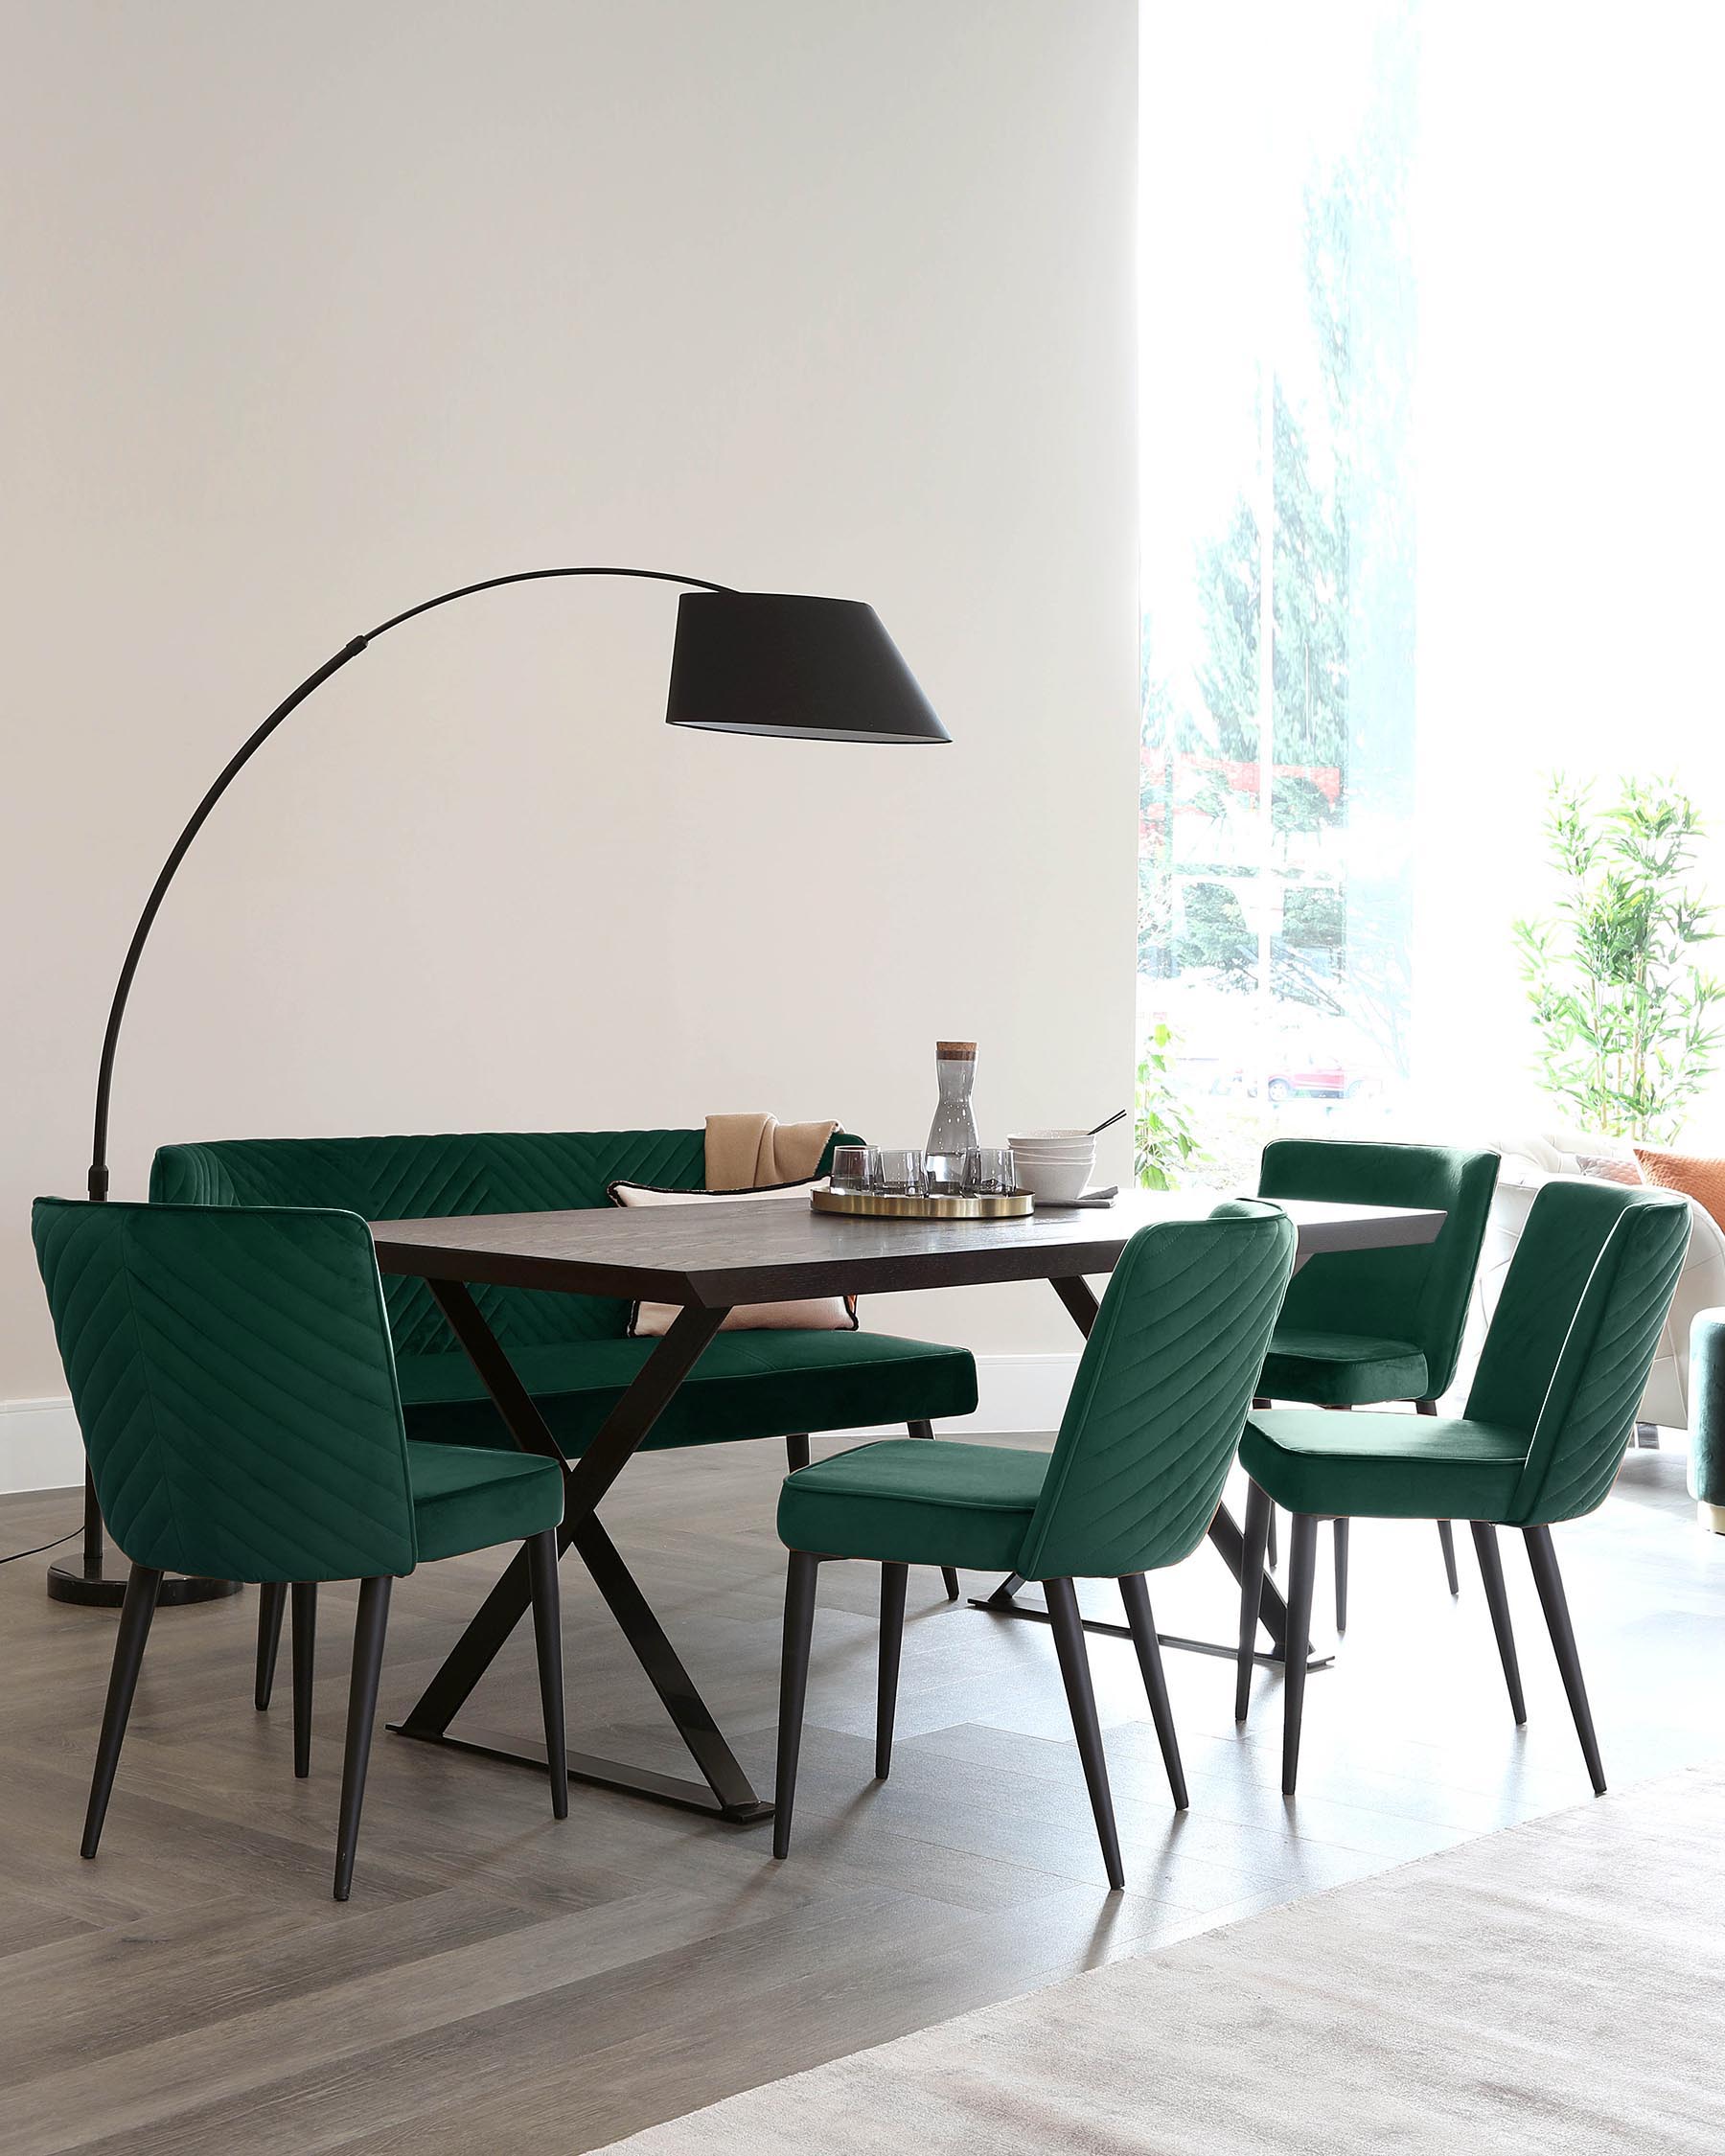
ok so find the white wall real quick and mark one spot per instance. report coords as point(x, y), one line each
point(314, 310)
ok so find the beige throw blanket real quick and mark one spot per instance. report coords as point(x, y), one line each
point(754, 1151)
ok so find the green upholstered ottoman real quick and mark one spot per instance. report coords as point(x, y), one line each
point(1707, 1417)
point(571, 1351)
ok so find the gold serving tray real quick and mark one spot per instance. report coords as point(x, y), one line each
point(870, 1205)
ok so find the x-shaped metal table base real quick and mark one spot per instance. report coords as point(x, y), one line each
point(725, 1790)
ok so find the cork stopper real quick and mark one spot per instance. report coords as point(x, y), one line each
point(955, 1051)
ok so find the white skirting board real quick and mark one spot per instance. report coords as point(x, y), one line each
point(39, 1446)
point(1018, 1394)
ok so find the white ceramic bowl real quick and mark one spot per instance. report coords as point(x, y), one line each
point(1057, 1183)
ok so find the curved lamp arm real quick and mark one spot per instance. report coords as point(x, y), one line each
point(241, 756)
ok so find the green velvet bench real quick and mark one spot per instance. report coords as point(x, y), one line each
point(572, 1351)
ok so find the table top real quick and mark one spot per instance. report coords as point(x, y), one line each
point(715, 1256)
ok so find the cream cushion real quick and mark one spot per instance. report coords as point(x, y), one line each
point(815, 1313)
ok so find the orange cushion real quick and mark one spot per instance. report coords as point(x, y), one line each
point(1696, 1175)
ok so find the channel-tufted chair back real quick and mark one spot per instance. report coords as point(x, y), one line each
point(1160, 1397)
point(1418, 1294)
point(231, 1372)
point(1575, 1333)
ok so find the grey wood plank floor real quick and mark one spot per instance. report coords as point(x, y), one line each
point(501, 1982)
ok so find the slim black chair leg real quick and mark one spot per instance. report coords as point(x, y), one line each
point(1255, 1534)
point(800, 1576)
point(894, 1579)
point(305, 1655)
point(273, 1601)
point(1548, 1580)
point(1074, 1670)
point(369, 1628)
point(948, 1575)
point(1142, 1623)
point(1446, 1535)
point(142, 1584)
point(547, 1642)
point(1270, 1550)
point(1339, 1529)
point(1497, 1601)
point(796, 1452)
point(1302, 1567)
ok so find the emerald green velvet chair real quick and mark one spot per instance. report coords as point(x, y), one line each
point(232, 1376)
point(1361, 1328)
point(1145, 1445)
point(1551, 1411)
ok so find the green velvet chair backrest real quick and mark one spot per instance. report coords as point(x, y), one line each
point(1575, 1333)
point(1160, 1400)
point(1419, 1293)
point(447, 1173)
point(231, 1373)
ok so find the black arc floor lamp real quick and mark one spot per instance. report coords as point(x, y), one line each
point(743, 662)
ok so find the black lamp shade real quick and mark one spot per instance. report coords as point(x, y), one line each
point(762, 662)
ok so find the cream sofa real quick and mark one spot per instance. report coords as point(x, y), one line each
point(1527, 1163)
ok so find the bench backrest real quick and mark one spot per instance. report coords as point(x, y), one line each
point(431, 1176)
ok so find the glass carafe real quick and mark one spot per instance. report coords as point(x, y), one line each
point(954, 1128)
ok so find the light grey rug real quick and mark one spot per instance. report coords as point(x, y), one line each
point(1559, 1987)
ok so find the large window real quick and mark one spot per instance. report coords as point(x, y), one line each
point(1278, 340)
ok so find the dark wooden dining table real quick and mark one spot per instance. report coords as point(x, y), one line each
point(707, 1260)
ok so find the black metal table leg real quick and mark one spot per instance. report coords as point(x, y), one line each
point(1224, 1533)
point(1273, 1608)
point(728, 1792)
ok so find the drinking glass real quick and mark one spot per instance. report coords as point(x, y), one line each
point(989, 1171)
point(944, 1174)
point(856, 1168)
point(902, 1174)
